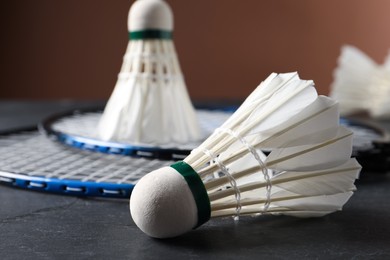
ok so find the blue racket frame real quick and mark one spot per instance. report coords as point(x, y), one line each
point(66, 187)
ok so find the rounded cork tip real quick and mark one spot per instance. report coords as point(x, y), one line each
point(150, 15)
point(162, 205)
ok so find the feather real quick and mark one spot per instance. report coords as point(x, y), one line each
point(320, 115)
point(326, 182)
point(351, 80)
point(305, 156)
point(313, 206)
point(378, 92)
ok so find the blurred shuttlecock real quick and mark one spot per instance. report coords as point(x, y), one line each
point(281, 152)
point(150, 103)
point(361, 85)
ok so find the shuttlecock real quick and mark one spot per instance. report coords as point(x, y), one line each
point(360, 84)
point(150, 103)
point(281, 152)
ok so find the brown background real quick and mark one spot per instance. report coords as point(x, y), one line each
point(74, 48)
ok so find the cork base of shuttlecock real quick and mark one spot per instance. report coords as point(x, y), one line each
point(162, 204)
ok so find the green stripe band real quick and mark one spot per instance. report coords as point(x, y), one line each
point(198, 190)
point(150, 34)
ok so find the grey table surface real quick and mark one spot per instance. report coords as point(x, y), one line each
point(36, 225)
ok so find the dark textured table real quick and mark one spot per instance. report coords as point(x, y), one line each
point(36, 225)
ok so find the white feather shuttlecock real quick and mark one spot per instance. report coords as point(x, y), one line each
point(281, 152)
point(150, 103)
point(360, 84)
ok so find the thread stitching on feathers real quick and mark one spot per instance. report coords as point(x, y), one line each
point(256, 155)
point(232, 181)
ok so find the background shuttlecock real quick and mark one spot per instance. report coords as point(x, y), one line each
point(150, 103)
point(361, 85)
point(281, 152)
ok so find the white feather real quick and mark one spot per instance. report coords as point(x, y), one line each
point(320, 115)
point(379, 93)
point(351, 80)
point(314, 206)
point(306, 154)
point(326, 182)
